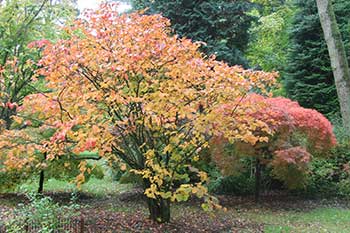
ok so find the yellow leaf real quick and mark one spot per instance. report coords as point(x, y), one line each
point(168, 149)
point(123, 167)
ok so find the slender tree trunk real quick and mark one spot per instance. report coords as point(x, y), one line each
point(41, 181)
point(159, 208)
point(42, 178)
point(337, 56)
point(257, 179)
point(7, 119)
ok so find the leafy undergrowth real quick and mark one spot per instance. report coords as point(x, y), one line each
point(126, 212)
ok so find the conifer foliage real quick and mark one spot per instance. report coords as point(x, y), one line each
point(309, 78)
point(222, 24)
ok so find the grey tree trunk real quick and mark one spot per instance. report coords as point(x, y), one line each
point(338, 58)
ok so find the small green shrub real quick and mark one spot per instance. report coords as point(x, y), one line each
point(321, 180)
point(344, 188)
point(339, 130)
point(40, 211)
point(98, 172)
point(238, 185)
point(331, 176)
point(130, 178)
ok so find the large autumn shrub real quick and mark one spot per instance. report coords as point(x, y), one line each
point(296, 136)
point(124, 87)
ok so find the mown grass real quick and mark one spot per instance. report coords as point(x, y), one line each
point(320, 218)
point(95, 187)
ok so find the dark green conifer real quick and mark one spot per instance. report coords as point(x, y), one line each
point(222, 24)
point(309, 78)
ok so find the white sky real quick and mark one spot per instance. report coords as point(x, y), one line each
point(92, 4)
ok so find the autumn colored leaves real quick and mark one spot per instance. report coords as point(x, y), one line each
point(290, 136)
point(124, 87)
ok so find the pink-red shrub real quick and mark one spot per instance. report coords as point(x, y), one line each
point(295, 135)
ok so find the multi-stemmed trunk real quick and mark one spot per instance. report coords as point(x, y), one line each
point(159, 208)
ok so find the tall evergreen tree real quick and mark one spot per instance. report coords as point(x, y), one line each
point(309, 78)
point(222, 24)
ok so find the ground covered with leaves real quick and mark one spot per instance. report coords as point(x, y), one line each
point(127, 212)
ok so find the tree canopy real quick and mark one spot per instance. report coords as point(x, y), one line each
point(122, 86)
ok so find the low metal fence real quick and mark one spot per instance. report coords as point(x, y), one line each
point(62, 225)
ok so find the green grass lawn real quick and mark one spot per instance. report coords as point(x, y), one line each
point(320, 217)
point(96, 187)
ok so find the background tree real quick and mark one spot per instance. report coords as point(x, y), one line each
point(270, 38)
point(267, 7)
point(22, 22)
point(222, 24)
point(24, 149)
point(128, 90)
point(337, 56)
point(309, 78)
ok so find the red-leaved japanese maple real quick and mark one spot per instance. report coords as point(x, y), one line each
point(295, 135)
